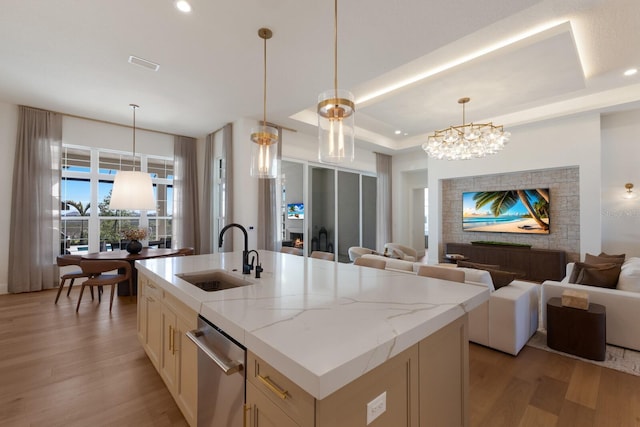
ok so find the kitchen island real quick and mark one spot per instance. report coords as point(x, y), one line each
point(342, 334)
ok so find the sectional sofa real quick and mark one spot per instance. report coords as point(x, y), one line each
point(506, 321)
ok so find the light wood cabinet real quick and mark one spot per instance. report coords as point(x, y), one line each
point(425, 385)
point(162, 325)
point(149, 319)
point(444, 376)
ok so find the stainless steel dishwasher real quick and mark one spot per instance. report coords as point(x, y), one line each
point(221, 376)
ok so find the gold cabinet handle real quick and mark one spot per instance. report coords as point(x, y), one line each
point(282, 394)
point(150, 285)
point(150, 299)
point(245, 418)
point(171, 339)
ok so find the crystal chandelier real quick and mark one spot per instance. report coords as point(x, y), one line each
point(466, 141)
point(336, 111)
point(264, 150)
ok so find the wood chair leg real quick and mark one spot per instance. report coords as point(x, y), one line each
point(70, 285)
point(80, 297)
point(59, 290)
point(113, 289)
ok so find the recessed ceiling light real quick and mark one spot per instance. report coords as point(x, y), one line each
point(630, 72)
point(183, 6)
point(406, 134)
point(398, 132)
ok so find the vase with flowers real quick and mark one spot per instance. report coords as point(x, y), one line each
point(134, 235)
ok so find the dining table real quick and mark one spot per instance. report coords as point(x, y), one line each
point(145, 253)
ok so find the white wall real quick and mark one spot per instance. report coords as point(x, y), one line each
point(563, 142)
point(90, 133)
point(620, 156)
point(8, 134)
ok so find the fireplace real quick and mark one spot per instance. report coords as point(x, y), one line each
point(297, 239)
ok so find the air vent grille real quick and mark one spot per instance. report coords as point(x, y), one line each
point(143, 63)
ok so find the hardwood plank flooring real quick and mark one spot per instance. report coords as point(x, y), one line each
point(59, 368)
point(62, 368)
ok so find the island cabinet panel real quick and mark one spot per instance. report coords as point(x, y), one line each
point(265, 413)
point(444, 377)
point(149, 319)
point(162, 325)
point(283, 393)
point(398, 378)
point(425, 385)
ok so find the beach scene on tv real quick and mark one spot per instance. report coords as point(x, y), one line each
point(510, 211)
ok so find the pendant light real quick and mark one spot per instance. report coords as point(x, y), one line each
point(336, 110)
point(264, 150)
point(132, 190)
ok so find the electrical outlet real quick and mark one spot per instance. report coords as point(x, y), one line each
point(376, 407)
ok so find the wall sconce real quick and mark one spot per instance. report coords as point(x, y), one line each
point(629, 194)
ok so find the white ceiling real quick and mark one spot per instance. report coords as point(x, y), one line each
point(519, 61)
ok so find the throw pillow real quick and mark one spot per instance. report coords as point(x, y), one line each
point(601, 275)
point(397, 253)
point(602, 254)
point(501, 278)
point(629, 279)
point(593, 259)
point(478, 266)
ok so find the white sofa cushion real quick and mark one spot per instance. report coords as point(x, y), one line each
point(629, 279)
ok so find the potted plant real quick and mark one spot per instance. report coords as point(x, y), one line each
point(134, 235)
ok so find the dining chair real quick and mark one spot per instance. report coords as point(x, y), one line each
point(443, 273)
point(322, 255)
point(69, 260)
point(101, 275)
point(291, 250)
point(370, 262)
point(186, 251)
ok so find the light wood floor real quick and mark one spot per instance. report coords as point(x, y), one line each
point(59, 368)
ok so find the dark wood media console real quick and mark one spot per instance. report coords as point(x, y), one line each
point(536, 265)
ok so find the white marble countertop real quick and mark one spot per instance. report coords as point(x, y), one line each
point(320, 323)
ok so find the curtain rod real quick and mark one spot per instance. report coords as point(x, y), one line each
point(116, 124)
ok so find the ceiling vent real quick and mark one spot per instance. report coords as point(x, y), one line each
point(143, 63)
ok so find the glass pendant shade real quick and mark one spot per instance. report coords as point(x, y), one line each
point(132, 190)
point(264, 152)
point(336, 126)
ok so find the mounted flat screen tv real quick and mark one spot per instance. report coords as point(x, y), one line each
point(509, 211)
point(295, 211)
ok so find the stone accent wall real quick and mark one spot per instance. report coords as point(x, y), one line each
point(564, 186)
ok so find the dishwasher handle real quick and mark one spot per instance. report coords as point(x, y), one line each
point(229, 367)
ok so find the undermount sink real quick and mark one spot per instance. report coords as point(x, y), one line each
point(214, 280)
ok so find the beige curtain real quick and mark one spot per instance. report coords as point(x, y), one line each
point(185, 221)
point(268, 207)
point(383, 202)
point(206, 229)
point(34, 240)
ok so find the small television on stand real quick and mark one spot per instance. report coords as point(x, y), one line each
point(295, 211)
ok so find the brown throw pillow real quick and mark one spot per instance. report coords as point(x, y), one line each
point(478, 266)
point(593, 259)
point(604, 255)
point(600, 275)
point(501, 278)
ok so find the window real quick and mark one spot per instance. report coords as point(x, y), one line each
point(87, 223)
